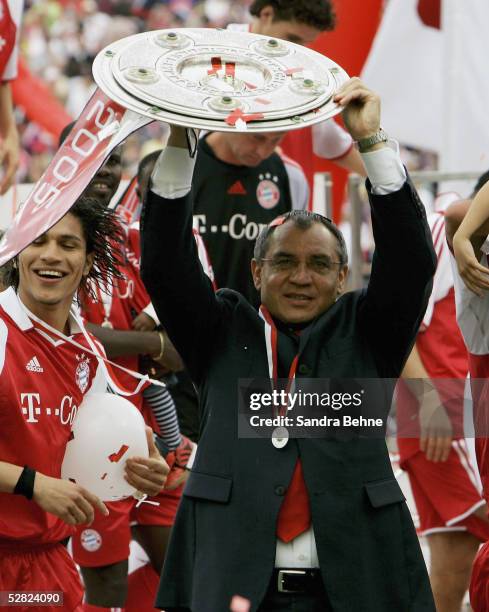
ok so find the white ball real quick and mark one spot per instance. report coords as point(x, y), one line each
point(107, 430)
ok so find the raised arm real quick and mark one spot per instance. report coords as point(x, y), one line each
point(180, 291)
point(9, 138)
point(404, 261)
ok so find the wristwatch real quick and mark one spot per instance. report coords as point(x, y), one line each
point(365, 143)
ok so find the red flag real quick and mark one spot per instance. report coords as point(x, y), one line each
point(39, 104)
point(8, 31)
point(430, 12)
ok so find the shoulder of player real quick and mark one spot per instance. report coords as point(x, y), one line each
point(288, 161)
point(294, 170)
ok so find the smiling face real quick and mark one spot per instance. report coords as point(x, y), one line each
point(105, 183)
point(51, 269)
point(299, 277)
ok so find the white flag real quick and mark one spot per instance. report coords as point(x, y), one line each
point(465, 137)
point(434, 81)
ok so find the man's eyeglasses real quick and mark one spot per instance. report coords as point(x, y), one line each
point(318, 265)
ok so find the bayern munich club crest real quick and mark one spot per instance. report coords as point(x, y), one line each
point(82, 373)
point(267, 192)
point(90, 540)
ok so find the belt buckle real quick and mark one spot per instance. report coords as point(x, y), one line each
point(282, 574)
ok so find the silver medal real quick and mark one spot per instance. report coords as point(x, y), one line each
point(106, 323)
point(280, 437)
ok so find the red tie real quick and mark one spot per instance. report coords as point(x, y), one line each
point(295, 513)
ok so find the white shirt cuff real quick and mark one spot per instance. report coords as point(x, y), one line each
point(385, 169)
point(191, 459)
point(151, 312)
point(172, 174)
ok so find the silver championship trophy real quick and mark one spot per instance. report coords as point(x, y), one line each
point(220, 80)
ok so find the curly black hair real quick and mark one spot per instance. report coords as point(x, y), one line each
point(318, 14)
point(104, 238)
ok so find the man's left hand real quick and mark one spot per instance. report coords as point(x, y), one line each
point(361, 114)
point(147, 474)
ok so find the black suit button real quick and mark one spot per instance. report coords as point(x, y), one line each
point(304, 369)
point(280, 490)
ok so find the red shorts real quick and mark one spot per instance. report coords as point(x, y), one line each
point(479, 581)
point(107, 539)
point(43, 567)
point(447, 494)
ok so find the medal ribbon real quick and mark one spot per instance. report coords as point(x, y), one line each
point(93, 350)
point(295, 512)
point(271, 342)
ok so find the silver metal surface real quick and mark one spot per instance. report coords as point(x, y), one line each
point(220, 79)
point(280, 437)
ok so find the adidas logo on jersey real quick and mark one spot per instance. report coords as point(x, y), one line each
point(237, 188)
point(34, 365)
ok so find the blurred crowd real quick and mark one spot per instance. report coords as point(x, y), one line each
point(60, 39)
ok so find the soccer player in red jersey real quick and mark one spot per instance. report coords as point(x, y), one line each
point(432, 446)
point(44, 378)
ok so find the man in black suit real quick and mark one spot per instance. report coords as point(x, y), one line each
point(309, 524)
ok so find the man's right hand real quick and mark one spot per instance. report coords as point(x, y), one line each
point(361, 114)
point(66, 500)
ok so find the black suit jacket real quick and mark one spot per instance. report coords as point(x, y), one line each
point(224, 538)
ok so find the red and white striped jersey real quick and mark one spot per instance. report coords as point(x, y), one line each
point(43, 380)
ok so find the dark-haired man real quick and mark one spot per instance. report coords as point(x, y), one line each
point(298, 21)
point(256, 184)
point(312, 524)
point(43, 381)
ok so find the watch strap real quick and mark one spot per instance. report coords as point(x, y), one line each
point(365, 143)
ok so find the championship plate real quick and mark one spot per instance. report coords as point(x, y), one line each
point(220, 80)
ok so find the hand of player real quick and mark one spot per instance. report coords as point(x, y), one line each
point(240, 604)
point(9, 158)
point(143, 322)
point(474, 275)
point(435, 428)
point(361, 114)
point(178, 136)
point(66, 500)
point(147, 474)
